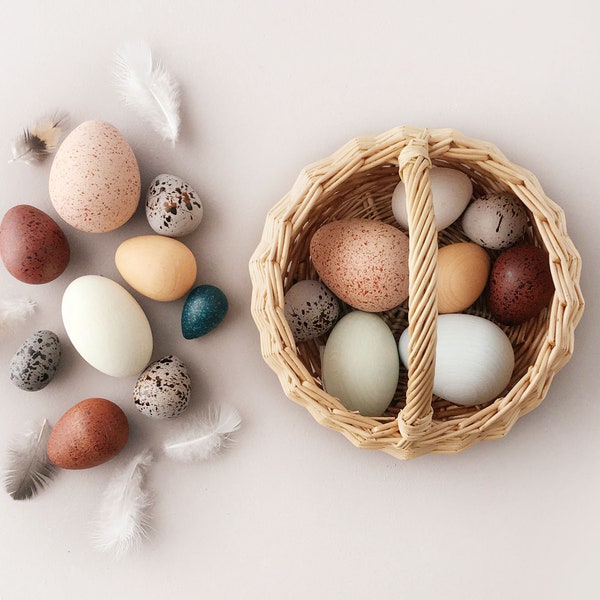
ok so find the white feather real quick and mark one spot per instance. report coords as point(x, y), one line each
point(13, 310)
point(29, 470)
point(123, 518)
point(147, 86)
point(203, 437)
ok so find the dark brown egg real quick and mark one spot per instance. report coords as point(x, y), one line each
point(520, 284)
point(88, 434)
point(33, 247)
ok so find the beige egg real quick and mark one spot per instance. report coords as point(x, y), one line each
point(363, 262)
point(156, 266)
point(94, 182)
point(463, 271)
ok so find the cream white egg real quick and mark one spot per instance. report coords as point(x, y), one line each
point(360, 364)
point(107, 326)
point(451, 191)
point(474, 359)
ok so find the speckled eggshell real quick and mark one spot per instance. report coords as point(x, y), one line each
point(156, 266)
point(33, 247)
point(204, 308)
point(35, 363)
point(94, 181)
point(495, 221)
point(88, 434)
point(520, 284)
point(363, 262)
point(310, 309)
point(173, 208)
point(162, 391)
point(451, 191)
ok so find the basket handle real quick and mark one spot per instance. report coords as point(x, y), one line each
point(414, 164)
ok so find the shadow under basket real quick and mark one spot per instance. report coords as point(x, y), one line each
point(358, 181)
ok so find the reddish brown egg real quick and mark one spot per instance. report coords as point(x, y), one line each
point(33, 247)
point(520, 284)
point(88, 434)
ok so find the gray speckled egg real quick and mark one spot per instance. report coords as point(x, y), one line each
point(35, 362)
point(495, 220)
point(162, 390)
point(310, 309)
point(173, 208)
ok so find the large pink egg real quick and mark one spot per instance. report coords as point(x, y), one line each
point(363, 262)
point(95, 179)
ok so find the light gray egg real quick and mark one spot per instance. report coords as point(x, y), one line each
point(35, 362)
point(310, 309)
point(495, 220)
point(173, 208)
point(162, 390)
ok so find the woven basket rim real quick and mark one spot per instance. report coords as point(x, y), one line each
point(363, 155)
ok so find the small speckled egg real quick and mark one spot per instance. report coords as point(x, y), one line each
point(520, 284)
point(204, 308)
point(88, 434)
point(495, 220)
point(310, 309)
point(35, 362)
point(156, 266)
point(94, 181)
point(173, 208)
point(361, 364)
point(33, 247)
point(363, 262)
point(463, 270)
point(162, 390)
point(451, 191)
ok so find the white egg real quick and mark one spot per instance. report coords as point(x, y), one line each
point(474, 359)
point(360, 364)
point(107, 326)
point(451, 190)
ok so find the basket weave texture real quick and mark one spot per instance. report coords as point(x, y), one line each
point(358, 181)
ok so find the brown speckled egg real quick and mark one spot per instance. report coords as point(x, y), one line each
point(520, 284)
point(94, 181)
point(33, 247)
point(88, 434)
point(162, 391)
point(363, 262)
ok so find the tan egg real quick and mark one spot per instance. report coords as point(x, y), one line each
point(158, 267)
point(94, 181)
point(463, 271)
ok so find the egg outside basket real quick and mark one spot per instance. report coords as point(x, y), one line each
point(358, 181)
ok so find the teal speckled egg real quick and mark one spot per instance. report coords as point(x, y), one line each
point(205, 307)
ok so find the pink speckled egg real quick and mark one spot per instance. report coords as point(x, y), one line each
point(95, 179)
point(363, 262)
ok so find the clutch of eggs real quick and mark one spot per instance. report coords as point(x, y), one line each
point(364, 264)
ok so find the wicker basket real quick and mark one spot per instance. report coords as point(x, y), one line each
point(358, 181)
